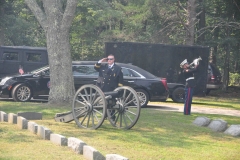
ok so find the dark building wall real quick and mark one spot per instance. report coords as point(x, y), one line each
point(159, 58)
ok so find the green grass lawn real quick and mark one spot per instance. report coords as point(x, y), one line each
point(158, 135)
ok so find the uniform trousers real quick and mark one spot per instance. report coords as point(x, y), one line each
point(188, 100)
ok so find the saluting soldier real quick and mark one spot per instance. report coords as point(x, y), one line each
point(110, 74)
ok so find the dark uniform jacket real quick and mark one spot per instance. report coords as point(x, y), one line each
point(189, 76)
point(109, 79)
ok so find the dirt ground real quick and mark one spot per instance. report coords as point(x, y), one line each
point(232, 91)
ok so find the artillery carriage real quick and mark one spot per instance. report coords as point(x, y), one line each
point(91, 107)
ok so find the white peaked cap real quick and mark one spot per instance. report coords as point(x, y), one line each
point(183, 62)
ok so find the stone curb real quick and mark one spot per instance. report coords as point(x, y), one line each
point(115, 157)
point(91, 153)
point(12, 118)
point(32, 127)
point(77, 145)
point(59, 139)
point(3, 117)
point(22, 123)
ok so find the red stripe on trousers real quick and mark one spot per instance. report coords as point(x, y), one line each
point(187, 101)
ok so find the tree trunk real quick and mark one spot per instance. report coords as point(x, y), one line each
point(215, 48)
point(226, 65)
point(61, 90)
point(56, 23)
point(237, 67)
point(1, 36)
point(191, 20)
point(1, 26)
point(202, 22)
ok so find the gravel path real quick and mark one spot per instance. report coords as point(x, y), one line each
point(194, 109)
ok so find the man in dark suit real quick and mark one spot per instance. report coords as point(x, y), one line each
point(110, 74)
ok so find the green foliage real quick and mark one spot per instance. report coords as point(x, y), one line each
point(234, 79)
point(155, 21)
point(20, 26)
point(222, 28)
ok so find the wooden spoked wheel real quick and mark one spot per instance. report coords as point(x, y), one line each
point(89, 107)
point(125, 113)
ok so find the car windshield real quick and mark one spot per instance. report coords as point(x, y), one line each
point(81, 70)
point(39, 69)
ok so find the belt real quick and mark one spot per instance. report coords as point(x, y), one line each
point(189, 78)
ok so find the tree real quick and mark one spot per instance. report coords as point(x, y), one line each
point(191, 19)
point(18, 26)
point(223, 34)
point(1, 23)
point(56, 18)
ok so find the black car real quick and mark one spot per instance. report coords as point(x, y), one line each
point(214, 78)
point(36, 84)
point(176, 90)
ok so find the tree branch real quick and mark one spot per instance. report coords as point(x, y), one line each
point(38, 13)
point(180, 5)
point(184, 25)
point(69, 13)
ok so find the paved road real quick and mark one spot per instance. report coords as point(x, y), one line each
point(195, 109)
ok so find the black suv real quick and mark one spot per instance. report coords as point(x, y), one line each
point(12, 58)
point(176, 90)
point(214, 78)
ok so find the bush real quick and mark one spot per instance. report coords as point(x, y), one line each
point(234, 79)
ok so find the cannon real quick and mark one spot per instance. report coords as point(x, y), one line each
point(91, 107)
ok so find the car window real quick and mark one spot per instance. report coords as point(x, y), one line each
point(84, 70)
point(39, 69)
point(137, 72)
point(126, 72)
point(10, 56)
point(47, 72)
point(209, 70)
point(129, 73)
point(33, 57)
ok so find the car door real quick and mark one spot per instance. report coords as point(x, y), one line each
point(84, 74)
point(42, 83)
point(130, 77)
point(11, 60)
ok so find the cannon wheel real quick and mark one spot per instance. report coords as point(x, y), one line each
point(89, 107)
point(125, 113)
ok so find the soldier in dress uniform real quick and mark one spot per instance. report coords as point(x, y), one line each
point(188, 72)
point(110, 74)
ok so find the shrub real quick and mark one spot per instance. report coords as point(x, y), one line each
point(234, 79)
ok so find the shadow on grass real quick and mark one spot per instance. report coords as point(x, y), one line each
point(161, 107)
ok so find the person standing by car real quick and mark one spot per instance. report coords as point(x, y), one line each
point(189, 86)
point(110, 74)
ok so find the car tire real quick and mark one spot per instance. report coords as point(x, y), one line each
point(21, 93)
point(178, 95)
point(208, 91)
point(143, 97)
